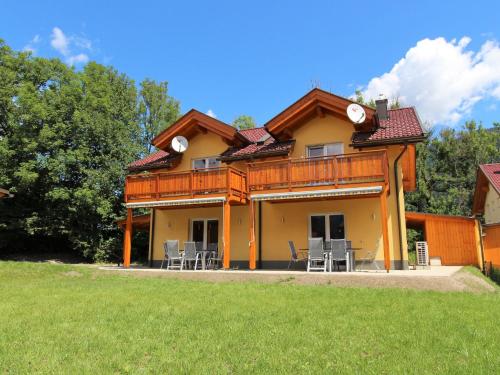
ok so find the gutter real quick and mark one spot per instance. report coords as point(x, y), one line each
point(396, 182)
point(393, 141)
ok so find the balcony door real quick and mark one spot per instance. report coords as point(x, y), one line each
point(320, 168)
point(327, 226)
point(212, 179)
point(205, 230)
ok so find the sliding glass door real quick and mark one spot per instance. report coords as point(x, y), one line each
point(327, 226)
point(205, 231)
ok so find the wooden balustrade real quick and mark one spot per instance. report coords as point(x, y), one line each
point(332, 171)
point(358, 168)
point(188, 184)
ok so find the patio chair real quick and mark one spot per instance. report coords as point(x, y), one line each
point(172, 254)
point(215, 257)
point(338, 253)
point(294, 258)
point(317, 259)
point(190, 255)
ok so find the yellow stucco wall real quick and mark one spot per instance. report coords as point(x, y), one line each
point(201, 146)
point(328, 129)
point(492, 206)
point(174, 224)
point(290, 221)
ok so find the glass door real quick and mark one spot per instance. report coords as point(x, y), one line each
point(212, 231)
point(205, 231)
point(327, 226)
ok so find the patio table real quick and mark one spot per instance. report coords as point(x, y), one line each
point(204, 254)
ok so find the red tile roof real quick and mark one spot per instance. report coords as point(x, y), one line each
point(158, 159)
point(254, 135)
point(267, 148)
point(492, 173)
point(403, 123)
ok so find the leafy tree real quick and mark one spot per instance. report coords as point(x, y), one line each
point(447, 166)
point(66, 137)
point(244, 122)
point(157, 110)
point(394, 103)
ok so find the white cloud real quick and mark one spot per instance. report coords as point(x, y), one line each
point(211, 113)
point(59, 41)
point(32, 43)
point(64, 45)
point(81, 58)
point(442, 79)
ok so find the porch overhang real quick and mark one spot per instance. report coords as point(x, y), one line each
point(369, 190)
point(176, 202)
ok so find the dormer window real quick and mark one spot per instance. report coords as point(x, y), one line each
point(325, 150)
point(205, 163)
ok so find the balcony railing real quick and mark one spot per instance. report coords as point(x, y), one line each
point(358, 168)
point(188, 184)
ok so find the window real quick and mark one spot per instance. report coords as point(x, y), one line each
point(325, 150)
point(205, 163)
point(327, 226)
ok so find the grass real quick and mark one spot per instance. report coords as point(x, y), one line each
point(75, 319)
point(476, 272)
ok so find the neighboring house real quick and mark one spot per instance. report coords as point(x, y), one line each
point(308, 172)
point(487, 193)
point(487, 204)
point(5, 194)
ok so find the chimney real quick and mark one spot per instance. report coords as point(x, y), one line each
point(381, 104)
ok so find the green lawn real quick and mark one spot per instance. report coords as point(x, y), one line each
point(75, 319)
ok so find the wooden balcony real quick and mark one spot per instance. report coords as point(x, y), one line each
point(228, 182)
point(358, 169)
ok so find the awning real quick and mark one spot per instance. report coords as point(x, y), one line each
point(317, 193)
point(176, 202)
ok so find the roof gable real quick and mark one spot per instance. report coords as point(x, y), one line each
point(194, 122)
point(315, 103)
point(486, 174)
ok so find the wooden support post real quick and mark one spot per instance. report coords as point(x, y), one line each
point(385, 229)
point(251, 236)
point(127, 239)
point(227, 234)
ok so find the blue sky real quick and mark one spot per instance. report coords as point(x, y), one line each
point(258, 57)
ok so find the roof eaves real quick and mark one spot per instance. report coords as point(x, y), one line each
point(390, 141)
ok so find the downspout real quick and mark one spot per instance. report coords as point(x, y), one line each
point(396, 182)
point(260, 235)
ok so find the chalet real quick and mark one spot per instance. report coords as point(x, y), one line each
point(487, 193)
point(487, 205)
point(308, 172)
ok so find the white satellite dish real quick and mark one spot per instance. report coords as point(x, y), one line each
point(179, 143)
point(356, 113)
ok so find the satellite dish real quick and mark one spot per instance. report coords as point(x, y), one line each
point(356, 113)
point(179, 144)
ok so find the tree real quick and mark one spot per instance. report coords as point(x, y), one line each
point(244, 122)
point(447, 166)
point(157, 110)
point(358, 97)
point(66, 137)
